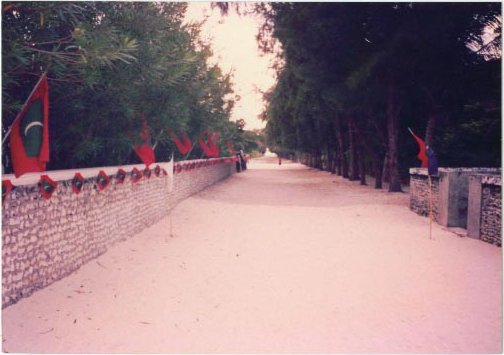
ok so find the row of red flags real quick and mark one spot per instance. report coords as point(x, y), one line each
point(47, 185)
point(29, 136)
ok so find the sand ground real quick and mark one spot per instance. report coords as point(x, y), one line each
point(279, 259)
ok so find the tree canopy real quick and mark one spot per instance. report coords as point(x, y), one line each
point(112, 65)
point(352, 77)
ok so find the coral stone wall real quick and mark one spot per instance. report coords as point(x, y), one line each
point(491, 212)
point(45, 240)
point(468, 198)
point(419, 195)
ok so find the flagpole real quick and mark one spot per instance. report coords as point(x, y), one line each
point(430, 207)
point(24, 107)
point(190, 150)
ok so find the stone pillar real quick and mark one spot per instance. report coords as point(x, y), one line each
point(474, 207)
point(453, 195)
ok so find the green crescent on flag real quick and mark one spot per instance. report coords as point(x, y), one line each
point(29, 137)
point(31, 128)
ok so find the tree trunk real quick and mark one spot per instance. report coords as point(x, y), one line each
point(393, 137)
point(333, 162)
point(316, 160)
point(329, 159)
point(362, 166)
point(354, 167)
point(375, 160)
point(372, 154)
point(342, 161)
point(378, 176)
point(338, 162)
point(386, 170)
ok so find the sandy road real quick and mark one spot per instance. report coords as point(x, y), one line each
point(279, 259)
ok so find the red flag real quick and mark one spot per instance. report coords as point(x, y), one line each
point(212, 143)
point(102, 180)
point(184, 146)
point(77, 183)
point(136, 175)
point(6, 189)
point(47, 186)
point(211, 149)
point(145, 151)
point(422, 156)
point(204, 147)
point(230, 147)
point(120, 176)
point(29, 140)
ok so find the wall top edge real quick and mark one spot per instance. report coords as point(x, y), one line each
point(489, 171)
point(61, 175)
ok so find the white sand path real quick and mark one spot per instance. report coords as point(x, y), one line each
point(279, 259)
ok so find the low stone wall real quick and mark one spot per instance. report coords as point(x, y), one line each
point(467, 198)
point(491, 210)
point(45, 240)
point(419, 193)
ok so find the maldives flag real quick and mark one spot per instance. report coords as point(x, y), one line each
point(29, 140)
point(422, 152)
point(183, 147)
point(145, 151)
point(211, 150)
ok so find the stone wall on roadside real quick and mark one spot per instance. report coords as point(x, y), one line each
point(491, 210)
point(46, 240)
point(468, 198)
point(420, 197)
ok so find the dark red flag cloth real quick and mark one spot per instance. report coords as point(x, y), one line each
point(211, 149)
point(77, 183)
point(47, 186)
point(120, 176)
point(29, 138)
point(136, 175)
point(145, 151)
point(422, 156)
point(204, 147)
point(184, 146)
point(230, 148)
point(6, 189)
point(212, 144)
point(102, 180)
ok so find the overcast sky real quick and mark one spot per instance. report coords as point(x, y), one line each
point(234, 46)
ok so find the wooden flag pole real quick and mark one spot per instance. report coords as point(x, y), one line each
point(171, 224)
point(430, 207)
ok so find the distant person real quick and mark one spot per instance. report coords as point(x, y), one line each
point(279, 160)
point(243, 160)
point(238, 162)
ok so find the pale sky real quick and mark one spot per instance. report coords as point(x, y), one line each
point(234, 46)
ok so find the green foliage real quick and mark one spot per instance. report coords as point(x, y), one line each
point(346, 69)
point(111, 64)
